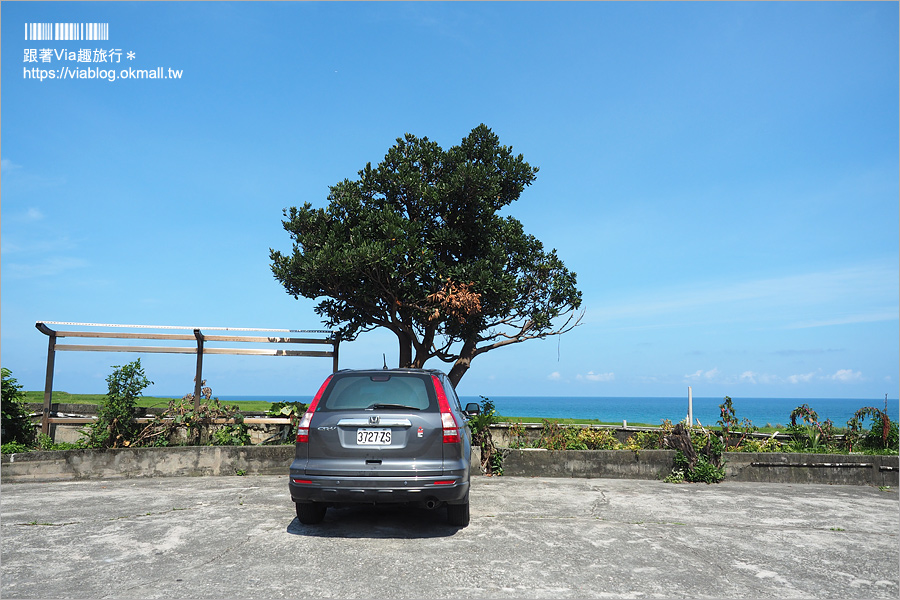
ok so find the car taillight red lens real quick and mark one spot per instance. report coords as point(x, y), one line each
point(448, 421)
point(303, 426)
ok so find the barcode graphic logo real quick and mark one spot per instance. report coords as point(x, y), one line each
point(66, 31)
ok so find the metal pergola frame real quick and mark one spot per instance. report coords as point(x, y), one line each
point(197, 337)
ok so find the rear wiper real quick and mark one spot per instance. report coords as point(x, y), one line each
point(400, 406)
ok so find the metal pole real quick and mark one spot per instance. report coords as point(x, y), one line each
point(690, 407)
point(335, 343)
point(199, 377)
point(48, 384)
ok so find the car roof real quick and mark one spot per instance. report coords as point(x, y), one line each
point(405, 370)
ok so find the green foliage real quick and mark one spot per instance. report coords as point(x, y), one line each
point(45, 442)
point(211, 422)
point(555, 437)
point(16, 422)
point(13, 448)
point(809, 435)
point(417, 245)
point(649, 440)
point(769, 444)
point(698, 455)
point(731, 426)
point(115, 426)
point(491, 457)
point(291, 410)
point(598, 439)
point(235, 433)
point(704, 471)
point(517, 435)
point(882, 436)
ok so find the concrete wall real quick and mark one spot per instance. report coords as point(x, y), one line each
point(833, 469)
point(839, 469)
point(615, 464)
point(182, 461)
point(190, 461)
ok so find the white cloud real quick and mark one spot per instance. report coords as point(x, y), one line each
point(591, 376)
point(47, 268)
point(875, 316)
point(749, 376)
point(847, 375)
point(801, 378)
point(701, 374)
point(554, 376)
point(7, 165)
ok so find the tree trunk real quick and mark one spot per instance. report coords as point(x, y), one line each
point(405, 349)
point(423, 349)
point(680, 439)
point(462, 364)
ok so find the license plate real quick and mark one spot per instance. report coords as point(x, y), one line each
point(373, 437)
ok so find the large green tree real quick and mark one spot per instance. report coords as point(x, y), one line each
point(417, 245)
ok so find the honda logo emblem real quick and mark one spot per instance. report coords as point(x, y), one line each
point(374, 419)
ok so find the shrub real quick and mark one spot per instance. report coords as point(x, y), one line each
point(809, 435)
point(698, 455)
point(518, 437)
point(115, 426)
point(599, 439)
point(13, 447)
point(294, 412)
point(491, 457)
point(16, 420)
point(704, 471)
point(769, 444)
point(554, 437)
point(731, 426)
point(196, 423)
point(649, 440)
point(45, 442)
point(882, 436)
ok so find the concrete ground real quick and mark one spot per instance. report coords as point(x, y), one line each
point(236, 537)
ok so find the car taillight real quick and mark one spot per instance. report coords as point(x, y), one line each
point(448, 421)
point(303, 427)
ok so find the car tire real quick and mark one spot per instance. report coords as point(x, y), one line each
point(310, 513)
point(458, 514)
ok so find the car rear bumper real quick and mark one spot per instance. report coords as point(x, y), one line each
point(377, 490)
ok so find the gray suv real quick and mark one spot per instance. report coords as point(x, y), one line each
point(383, 436)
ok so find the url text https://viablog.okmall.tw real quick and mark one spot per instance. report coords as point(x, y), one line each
point(99, 73)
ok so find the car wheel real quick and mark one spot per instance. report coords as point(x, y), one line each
point(310, 513)
point(458, 514)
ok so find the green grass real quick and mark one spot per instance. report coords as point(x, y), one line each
point(262, 406)
point(144, 401)
point(539, 420)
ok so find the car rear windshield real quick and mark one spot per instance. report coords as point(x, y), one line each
point(378, 391)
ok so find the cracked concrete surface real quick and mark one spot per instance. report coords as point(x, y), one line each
point(227, 537)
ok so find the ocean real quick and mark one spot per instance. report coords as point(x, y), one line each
point(652, 411)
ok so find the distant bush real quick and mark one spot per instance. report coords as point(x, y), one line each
point(883, 435)
point(115, 426)
point(16, 421)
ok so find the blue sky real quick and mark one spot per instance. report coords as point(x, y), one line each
point(723, 178)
